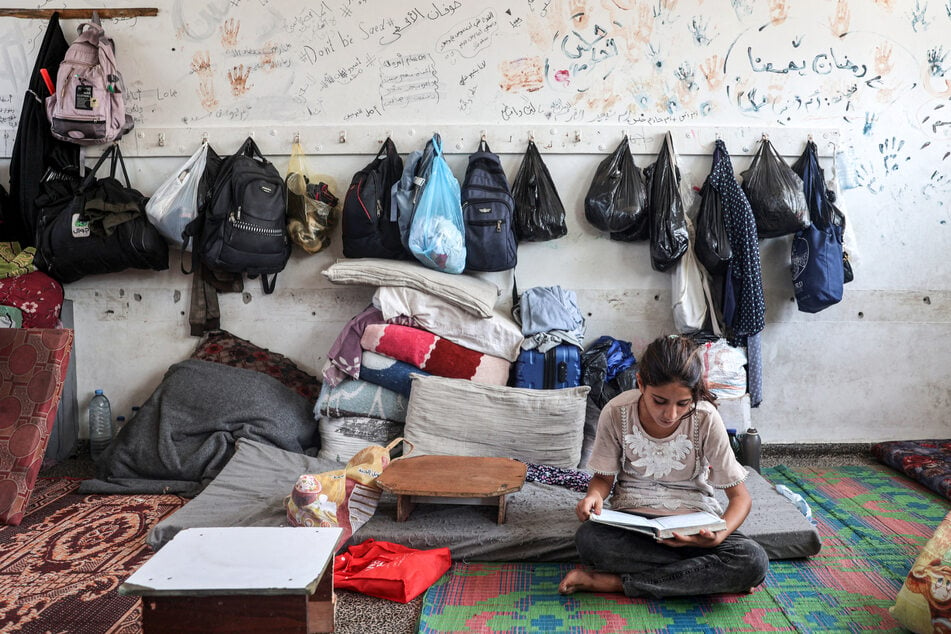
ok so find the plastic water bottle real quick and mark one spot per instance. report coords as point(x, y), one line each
point(750, 448)
point(100, 424)
point(796, 499)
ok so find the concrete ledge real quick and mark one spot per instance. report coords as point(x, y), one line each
point(817, 454)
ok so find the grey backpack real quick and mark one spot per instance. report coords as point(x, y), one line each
point(87, 106)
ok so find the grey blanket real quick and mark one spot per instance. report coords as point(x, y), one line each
point(185, 432)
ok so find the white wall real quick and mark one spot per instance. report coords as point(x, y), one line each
point(867, 78)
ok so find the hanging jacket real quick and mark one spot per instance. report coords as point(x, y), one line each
point(749, 316)
point(745, 309)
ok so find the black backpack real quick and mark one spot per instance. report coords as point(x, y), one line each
point(245, 224)
point(487, 210)
point(370, 220)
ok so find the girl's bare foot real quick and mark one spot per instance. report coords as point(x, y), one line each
point(580, 580)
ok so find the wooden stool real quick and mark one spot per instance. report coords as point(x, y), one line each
point(451, 480)
point(241, 579)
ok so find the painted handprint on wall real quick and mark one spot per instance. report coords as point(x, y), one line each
point(839, 23)
point(238, 78)
point(778, 11)
point(229, 33)
point(201, 66)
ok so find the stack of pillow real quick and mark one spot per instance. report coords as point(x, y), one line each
point(433, 355)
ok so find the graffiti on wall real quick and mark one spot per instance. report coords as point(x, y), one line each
point(870, 67)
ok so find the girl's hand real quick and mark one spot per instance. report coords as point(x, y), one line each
point(704, 539)
point(591, 503)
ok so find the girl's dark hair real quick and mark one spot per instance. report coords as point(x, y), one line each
point(675, 359)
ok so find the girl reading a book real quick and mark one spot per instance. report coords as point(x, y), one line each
point(662, 448)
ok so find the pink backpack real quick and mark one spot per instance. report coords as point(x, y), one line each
point(87, 106)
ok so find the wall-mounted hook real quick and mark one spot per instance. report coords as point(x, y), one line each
point(342, 138)
point(482, 136)
point(297, 138)
point(531, 136)
point(251, 134)
point(809, 137)
point(161, 139)
point(765, 137)
point(204, 137)
point(577, 136)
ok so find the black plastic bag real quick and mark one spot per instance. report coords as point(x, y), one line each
point(609, 368)
point(712, 245)
point(668, 223)
point(617, 198)
point(775, 193)
point(539, 214)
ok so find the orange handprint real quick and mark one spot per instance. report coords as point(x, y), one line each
point(268, 63)
point(840, 20)
point(206, 90)
point(778, 11)
point(883, 59)
point(713, 72)
point(238, 78)
point(229, 33)
point(201, 64)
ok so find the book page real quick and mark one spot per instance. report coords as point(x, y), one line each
point(673, 522)
point(626, 519)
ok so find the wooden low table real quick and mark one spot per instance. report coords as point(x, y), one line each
point(451, 480)
point(240, 579)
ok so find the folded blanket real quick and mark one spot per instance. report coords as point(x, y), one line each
point(341, 438)
point(389, 373)
point(497, 335)
point(358, 397)
point(434, 354)
point(185, 432)
point(343, 358)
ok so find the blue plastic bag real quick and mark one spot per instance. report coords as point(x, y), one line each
point(437, 237)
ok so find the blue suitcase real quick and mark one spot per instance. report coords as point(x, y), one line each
point(557, 368)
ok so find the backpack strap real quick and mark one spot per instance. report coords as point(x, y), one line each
point(204, 312)
point(267, 285)
point(250, 149)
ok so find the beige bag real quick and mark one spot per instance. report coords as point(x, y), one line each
point(311, 208)
point(345, 497)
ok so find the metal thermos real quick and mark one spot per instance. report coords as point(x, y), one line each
point(750, 448)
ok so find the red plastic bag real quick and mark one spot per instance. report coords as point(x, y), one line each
point(389, 571)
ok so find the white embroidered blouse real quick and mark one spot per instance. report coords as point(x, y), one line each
point(664, 475)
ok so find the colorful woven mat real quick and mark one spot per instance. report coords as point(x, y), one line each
point(872, 522)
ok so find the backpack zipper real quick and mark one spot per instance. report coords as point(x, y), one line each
point(237, 223)
point(487, 223)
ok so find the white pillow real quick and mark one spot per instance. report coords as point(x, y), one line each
point(456, 417)
point(497, 336)
point(473, 295)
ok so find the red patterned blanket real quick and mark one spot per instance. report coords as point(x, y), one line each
point(434, 354)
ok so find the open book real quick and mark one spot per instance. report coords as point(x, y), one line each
point(662, 527)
